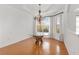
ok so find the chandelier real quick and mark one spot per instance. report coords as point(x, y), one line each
point(39, 17)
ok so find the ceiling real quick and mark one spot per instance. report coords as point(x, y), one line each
point(33, 8)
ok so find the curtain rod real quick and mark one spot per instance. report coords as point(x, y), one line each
point(55, 14)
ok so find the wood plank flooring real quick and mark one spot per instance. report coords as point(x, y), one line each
point(28, 47)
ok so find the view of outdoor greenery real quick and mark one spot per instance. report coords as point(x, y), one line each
point(42, 28)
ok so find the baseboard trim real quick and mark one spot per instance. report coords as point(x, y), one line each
point(12, 42)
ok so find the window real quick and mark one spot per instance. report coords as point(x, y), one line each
point(77, 24)
point(45, 24)
point(58, 23)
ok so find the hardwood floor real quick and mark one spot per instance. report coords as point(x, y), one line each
point(28, 47)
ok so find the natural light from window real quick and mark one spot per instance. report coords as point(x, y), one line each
point(45, 24)
point(77, 24)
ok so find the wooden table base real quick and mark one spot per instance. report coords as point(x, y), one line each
point(38, 39)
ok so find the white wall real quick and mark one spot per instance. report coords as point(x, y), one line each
point(15, 25)
point(70, 38)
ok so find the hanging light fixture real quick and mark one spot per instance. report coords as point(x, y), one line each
point(39, 17)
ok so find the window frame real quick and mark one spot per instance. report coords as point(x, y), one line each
point(77, 26)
